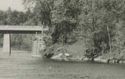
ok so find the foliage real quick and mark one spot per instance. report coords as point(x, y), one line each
point(65, 19)
point(92, 53)
point(98, 22)
point(60, 15)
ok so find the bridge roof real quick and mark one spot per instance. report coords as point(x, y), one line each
point(21, 29)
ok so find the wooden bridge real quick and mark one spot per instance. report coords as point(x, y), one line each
point(8, 30)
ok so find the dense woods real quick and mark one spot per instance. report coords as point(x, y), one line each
point(99, 23)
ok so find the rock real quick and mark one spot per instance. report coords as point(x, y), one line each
point(115, 60)
point(85, 59)
point(61, 56)
point(122, 61)
point(100, 59)
point(66, 54)
point(49, 55)
point(103, 60)
point(57, 56)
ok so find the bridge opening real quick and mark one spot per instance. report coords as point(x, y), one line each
point(32, 36)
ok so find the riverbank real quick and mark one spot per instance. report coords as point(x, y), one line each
point(76, 52)
point(98, 60)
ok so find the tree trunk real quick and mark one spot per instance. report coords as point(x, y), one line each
point(92, 59)
point(109, 39)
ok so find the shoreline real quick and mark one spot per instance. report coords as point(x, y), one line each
point(103, 61)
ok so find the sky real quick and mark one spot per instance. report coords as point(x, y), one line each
point(14, 4)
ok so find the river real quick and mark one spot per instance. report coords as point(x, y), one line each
point(23, 66)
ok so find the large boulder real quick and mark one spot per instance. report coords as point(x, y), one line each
point(61, 53)
point(56, 51)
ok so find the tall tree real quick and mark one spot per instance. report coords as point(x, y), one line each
point(60, 15)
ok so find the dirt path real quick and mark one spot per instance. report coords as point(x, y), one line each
point(20, 65)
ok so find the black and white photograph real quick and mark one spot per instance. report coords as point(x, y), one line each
point(62, 39)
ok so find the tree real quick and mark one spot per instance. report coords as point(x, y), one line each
point(60, 15)
point(93, 20)
point(65, 18)
point(98, 21)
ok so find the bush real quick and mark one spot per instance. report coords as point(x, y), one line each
point(92, 53)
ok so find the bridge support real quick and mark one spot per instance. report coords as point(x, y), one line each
point(38, 46)
point(6, 44)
